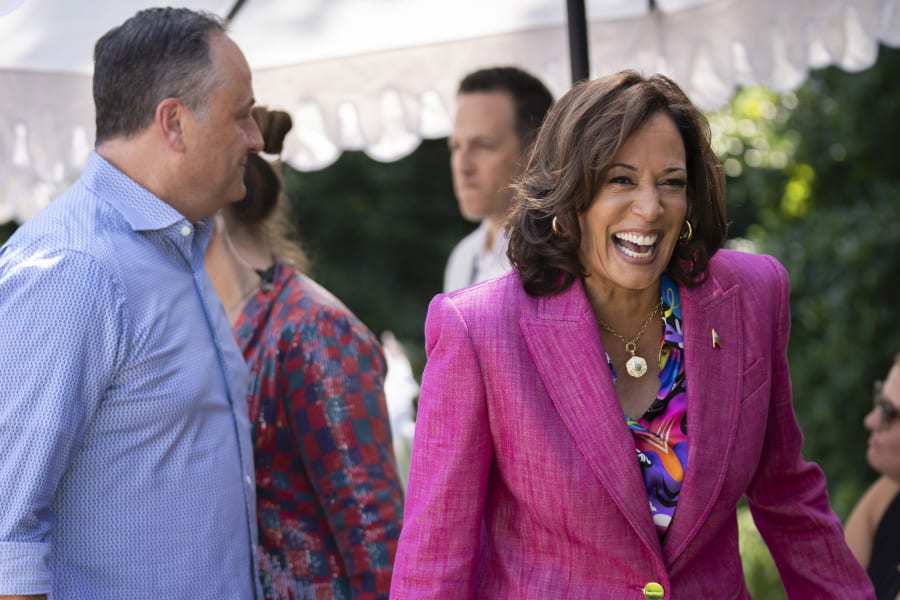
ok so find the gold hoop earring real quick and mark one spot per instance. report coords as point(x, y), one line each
point(688, 235)
point(557, 230)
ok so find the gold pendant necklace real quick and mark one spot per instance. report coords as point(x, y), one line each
point(636, 366)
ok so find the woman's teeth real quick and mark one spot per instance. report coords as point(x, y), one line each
point(636, 245)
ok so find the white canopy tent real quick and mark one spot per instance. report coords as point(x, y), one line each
point(380, 75)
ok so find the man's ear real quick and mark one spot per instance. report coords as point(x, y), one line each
point(169, 120)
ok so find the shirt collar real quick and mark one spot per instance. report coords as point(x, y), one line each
point(137, 205)
point(501, 241)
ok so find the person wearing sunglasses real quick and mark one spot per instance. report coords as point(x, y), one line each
point(873, 528)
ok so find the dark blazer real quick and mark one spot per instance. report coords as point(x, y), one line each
point(524, 481)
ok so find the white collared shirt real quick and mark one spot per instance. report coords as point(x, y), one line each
point(471, 262)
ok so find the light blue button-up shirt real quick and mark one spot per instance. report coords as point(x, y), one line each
point(126, 468)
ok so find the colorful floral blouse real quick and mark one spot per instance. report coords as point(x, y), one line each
point(329, 499)
point(660, 435)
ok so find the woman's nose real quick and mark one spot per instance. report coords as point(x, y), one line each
point(647, 202)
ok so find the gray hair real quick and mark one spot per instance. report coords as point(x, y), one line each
point(158, 53)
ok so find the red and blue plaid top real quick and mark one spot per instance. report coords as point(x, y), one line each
point(329, 498)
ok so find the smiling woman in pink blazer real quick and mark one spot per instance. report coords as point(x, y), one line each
point(589, 422)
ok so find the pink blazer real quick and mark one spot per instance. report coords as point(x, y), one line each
point(524, 481)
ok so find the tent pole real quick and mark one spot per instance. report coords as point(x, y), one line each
point(578, 45)
point(234, 11)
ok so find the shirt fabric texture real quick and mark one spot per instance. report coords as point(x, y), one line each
point(127, 463)
point(330, 501)
point(470, 262)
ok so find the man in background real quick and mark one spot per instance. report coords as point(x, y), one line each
point(499, 111)
point(127, 468)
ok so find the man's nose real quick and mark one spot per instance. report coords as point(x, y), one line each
point(255, 140)
point(463, 162)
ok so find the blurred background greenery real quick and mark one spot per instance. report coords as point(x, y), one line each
point(813, 179)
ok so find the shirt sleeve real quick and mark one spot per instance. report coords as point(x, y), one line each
point(58, 350)
point(788, 496)
point(451, 459)
point(339, 412)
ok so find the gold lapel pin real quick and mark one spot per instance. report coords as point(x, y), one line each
point(716, 341)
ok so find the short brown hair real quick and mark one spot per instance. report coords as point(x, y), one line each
point(578, 142)
point(531, 98)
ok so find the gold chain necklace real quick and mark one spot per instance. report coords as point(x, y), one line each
point(636, 366)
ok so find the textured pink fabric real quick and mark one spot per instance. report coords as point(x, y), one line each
point(523, 474)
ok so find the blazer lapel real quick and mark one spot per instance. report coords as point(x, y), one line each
point(713, 370)
point(565, 345)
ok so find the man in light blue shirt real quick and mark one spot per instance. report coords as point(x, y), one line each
point(126, 467)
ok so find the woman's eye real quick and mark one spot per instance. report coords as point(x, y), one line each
point(680, 183)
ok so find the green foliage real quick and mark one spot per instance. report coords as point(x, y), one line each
point(747, 136)
point(829, 209)
point(843, 263)
point(6, 230)
point(379, 235)
point(760, 573)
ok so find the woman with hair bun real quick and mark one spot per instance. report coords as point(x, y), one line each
point(329, 498)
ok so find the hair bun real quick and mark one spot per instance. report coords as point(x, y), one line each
point(274, 126)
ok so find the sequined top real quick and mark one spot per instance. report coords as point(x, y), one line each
point(329, 498)
point(660, 435)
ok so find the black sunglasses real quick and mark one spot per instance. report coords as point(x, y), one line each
point(886, 410)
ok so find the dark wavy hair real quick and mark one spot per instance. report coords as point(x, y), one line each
point(578, 142)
